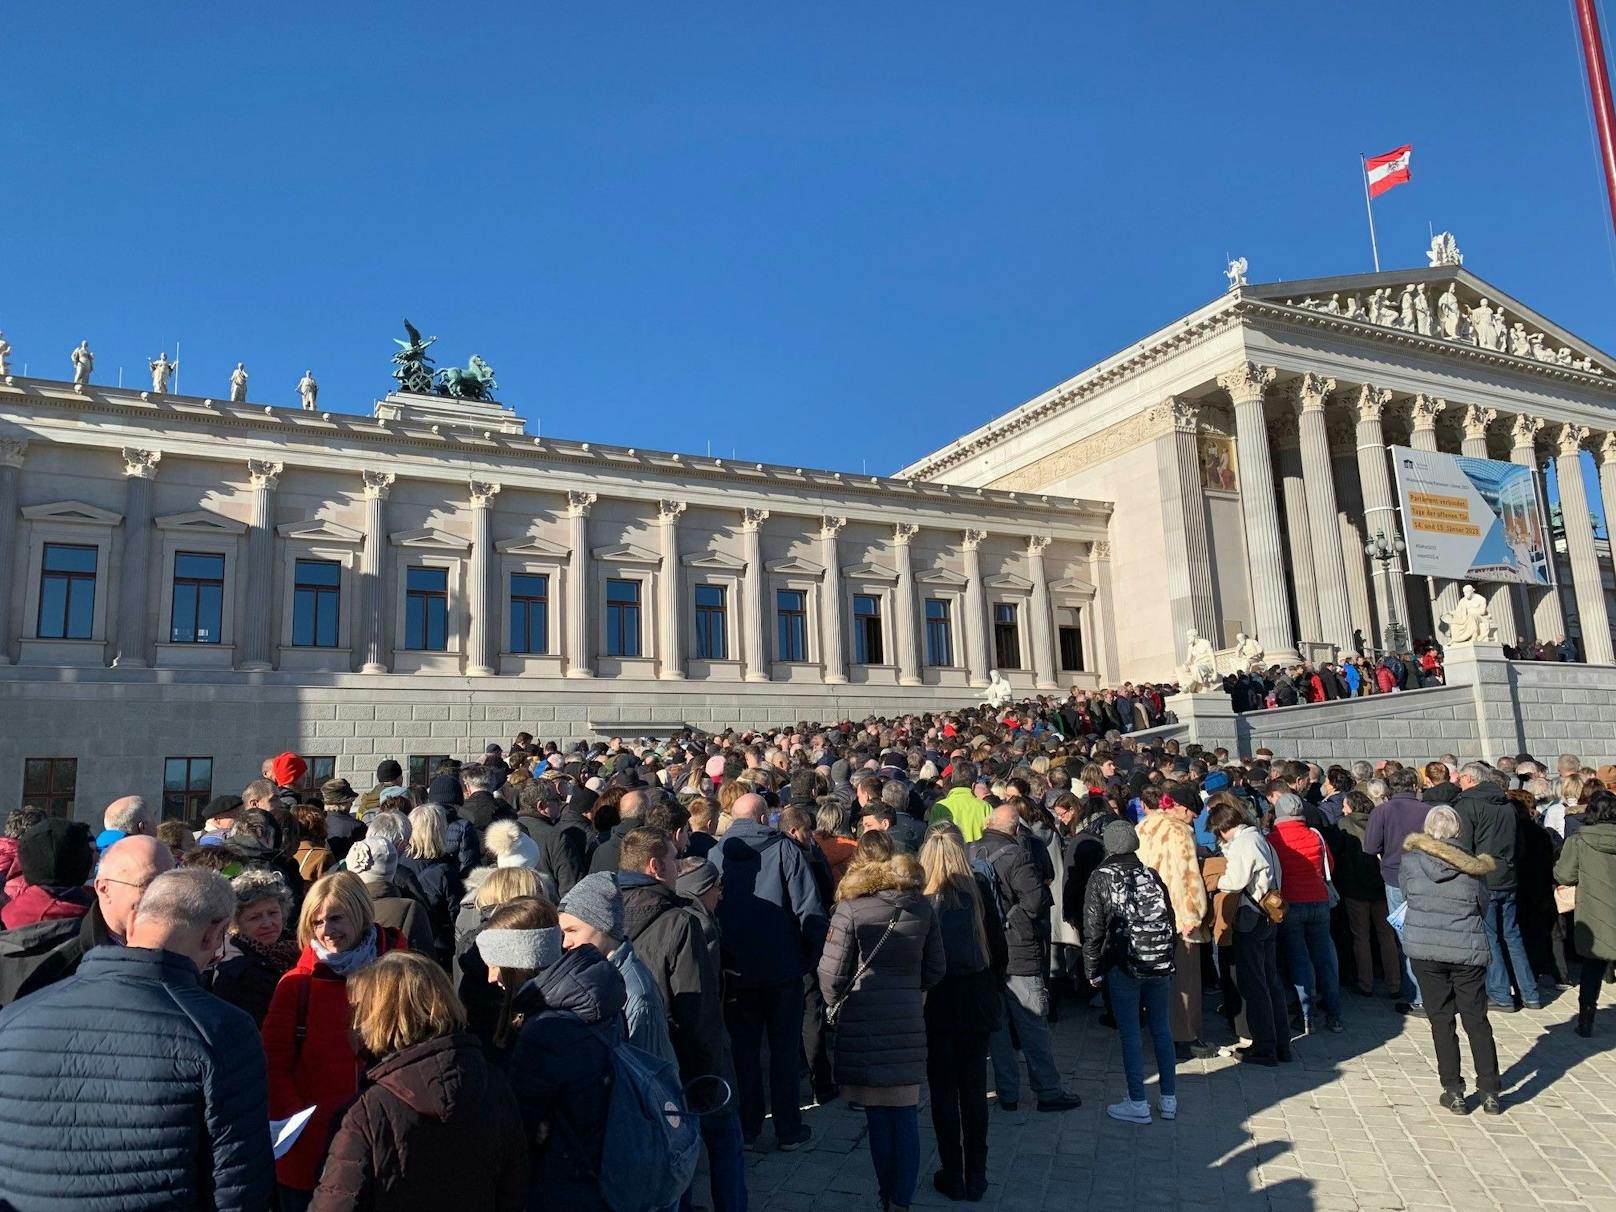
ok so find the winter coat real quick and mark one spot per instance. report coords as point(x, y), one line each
point(644, 1018)
point(1357, 874)
point(402, 913)
point(572, 1017)
point(970, 997)
point(881, 1026)
point(1025, 898)
point(483, 808)
point(247, 974)
point(1588, 862)
point(130, 1087)
point(838, 852)
point(440, 883)
point(1084, 851)
point(10, 864)
point(1389, 826)
point(772, 917)
point(45, 902)
point(1487, 825)
point(313, 860)
point(323, 1071)
point(908, 834)
point(605, 855)
point(965, 810)
point(1302, 858)
point(1122, 896)
point(1441, 793)
point(564, 847)
point(342, 830)
point(33, 957)
point(1167, 847)
point(1446, 892)
point(435, 1127)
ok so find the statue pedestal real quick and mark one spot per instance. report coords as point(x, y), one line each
point(1210, 716)
point(1483, 668)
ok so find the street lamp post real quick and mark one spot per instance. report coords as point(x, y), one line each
point(1384, 551)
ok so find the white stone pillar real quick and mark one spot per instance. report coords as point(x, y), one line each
point(1579, 530)
point(578, 574)
point(1285, 443)
point(1607, 479)
point(671, 639)
point(976, 609)
point(12, 453)
point(482, 639)
point(1324, 533)
point(1380, 506)
point(371, 630)
point(1548, 620)
point(258, 635)
point(1423, 412)
point(1246, 385)
point(1102, 629)
point(754, 610)
point(1043, 631)
point(1343, 439)
point(139, 469)
point(903, 607)
point(1189, 561)
point(1500, 595)
point(834, 657)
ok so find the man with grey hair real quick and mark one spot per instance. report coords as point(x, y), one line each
point(128, 1085)
point(907, 833)
point(1487, 825)
point(126, 816)
point(1567, 765)
point(1389, 824)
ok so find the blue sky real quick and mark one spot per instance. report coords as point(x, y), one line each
point(837, 235)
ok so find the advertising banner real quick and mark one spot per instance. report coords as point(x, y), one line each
point(1466, 518)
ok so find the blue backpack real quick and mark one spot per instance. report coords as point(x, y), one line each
point(652, 1139)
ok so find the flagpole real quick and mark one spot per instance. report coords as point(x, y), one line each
point(1374, 248)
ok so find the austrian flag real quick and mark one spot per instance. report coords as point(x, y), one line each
point(1383, 172)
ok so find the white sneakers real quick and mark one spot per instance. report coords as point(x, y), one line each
point(1168, 1106)
point(1130, 1111)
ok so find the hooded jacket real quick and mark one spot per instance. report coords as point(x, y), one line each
point(436, 1126)
point(771, 915)
point(45, 902)
point(1446, 891)
point(881, 1027)
point(49, 951)
point(1487, 825)
point(564, 845)
point(1588, 862)
point(1122, 892)
point(438, 880)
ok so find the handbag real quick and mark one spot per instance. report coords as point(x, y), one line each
point(834, 1010)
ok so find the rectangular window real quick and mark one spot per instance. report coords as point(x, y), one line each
point(187, 788)
point(530, 613)
point(426, 609)
point(712, 643)
point(198, 598)
point(320, 769)
point(623, 618)
point(1006, 636)
point(51, 784)
point(421, 767)
point(939, 633)
point(791, 618)
point(316, 603)
point(866, 629)
point(1070, 637)
point(66, 592)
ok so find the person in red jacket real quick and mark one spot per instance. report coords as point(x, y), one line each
point(56, 857)
point(307, 1038)
point(1304, 863)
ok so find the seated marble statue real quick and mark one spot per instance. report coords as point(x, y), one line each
point(1248, 653)
point(1200, 671)
point(1469, 622)
point(998, 692)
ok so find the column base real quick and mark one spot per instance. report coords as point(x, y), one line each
point(580, 673)
point(373, 667)
point(256, 667)
point(758, 676)
point(1046, 685)
point(671, 675)
point(910, 681)
point(835, 679)
point(480, 671)
point(125, 662)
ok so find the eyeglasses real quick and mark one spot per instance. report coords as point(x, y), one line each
point(140, 887)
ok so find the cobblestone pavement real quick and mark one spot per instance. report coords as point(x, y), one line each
point(1353, 1125)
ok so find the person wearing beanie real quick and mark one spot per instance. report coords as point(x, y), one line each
point(375, 862)
point(592, 916)
point(57, 857)
point(1304, 862)
point(1129, 931)
point(286, 770)
point(459, 835)
point(510, 846)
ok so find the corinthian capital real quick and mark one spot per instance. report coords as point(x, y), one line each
point(1424, 409)
point(752, 519)
point(579, 503)
point(1524, 429)
point(1312, 390)
point(1185, 414)
point(377, 484)
point(141, 463)
point(1371, 402)
point(1246, 382)
point(830, 527)
point(1607, 450)
point(1570, 438)
point(262, 473)
point(12, 451)
point(483, 493)
point(1476, 419)
point(668, 511)
point(902, 532)
point(973, 539)
point(1036, 544)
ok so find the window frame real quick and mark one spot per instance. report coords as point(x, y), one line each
point(426, 763)
point(947, 624)
point(325, 541)
point(72, 578)
point(425, 596)
point(702, 621)
point(189, 797)
point(297, 588)
point(863, 631)
point(309, 785)
point(1018, 617)
point(613, 618)
point(545, 601)
point(47, 799)
point(196, 586)
point(805, 614)
point(73, 523)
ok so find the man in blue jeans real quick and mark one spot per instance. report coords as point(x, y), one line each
point(1400, 815)
point(1487, 825)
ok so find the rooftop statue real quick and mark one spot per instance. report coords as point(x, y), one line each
point(1444, 250)
point(411, 365)
point(1236, 273)
point(475, 382)
point(5, 352)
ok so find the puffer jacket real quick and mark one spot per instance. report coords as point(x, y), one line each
point(970, 997)
point(881, 1026)
point(1447, 901)
point(436, 1126)
point(1588, 862)
point(440, 882)
point(771, 914)
point(129, 1087)
point(1128, 920)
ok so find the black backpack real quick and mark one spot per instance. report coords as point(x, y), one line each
point(1143, 925)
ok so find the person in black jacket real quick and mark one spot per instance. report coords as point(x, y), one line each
point(128, 1085)
point(1487, 826)
point(437, 877)
point(482, 807)
point(255, 955)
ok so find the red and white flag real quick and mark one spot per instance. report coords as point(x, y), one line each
point(1391, 169)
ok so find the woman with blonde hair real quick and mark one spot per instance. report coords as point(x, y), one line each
point(306, 1038)
point(437, 875)
point(962, 1011)
point(503, 885)
point(436, 1124)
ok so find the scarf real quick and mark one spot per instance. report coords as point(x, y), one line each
point(280, 955)
point(345, 963)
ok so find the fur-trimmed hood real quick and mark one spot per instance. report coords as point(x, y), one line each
point(900, 873)
point(1478, 865)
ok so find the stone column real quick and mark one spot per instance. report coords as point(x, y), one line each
point(1423, 412)
point(1102, 629)
point(1500, 596)
point(1042, 629)
point(12, 453)
point(139, 469)
point(1579, 530)
point(834, 657)
point(1246, 385)
point(482, 637)
point(1287, 454)
point(754, 610)
point(1189, 561)
point(258, 633)
point(1380, 506)
point(1548, 621)
point(371, 629)
point(976, 609)
point(578, 574)
point(903, 606)
point(1607, 479)
point(671, 638)
point(1323, 532)
point(1343, 439)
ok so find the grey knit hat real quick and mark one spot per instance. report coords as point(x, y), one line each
point(1119, 838)
point(528, 950)
point(701, 877)
point(596, 899)
point(1288, 807)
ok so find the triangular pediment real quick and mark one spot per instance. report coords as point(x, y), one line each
point(321, 530)
point(71, 511)
point(717, 560)
point(532, 545)
point(201, 521)
point(869, 572)
point(1072, 585)
point(428, 536)
point(1008, 580)
point(626, 553)
point(794, 564)
point(941, 576)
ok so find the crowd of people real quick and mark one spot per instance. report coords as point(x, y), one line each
point(552, 976)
